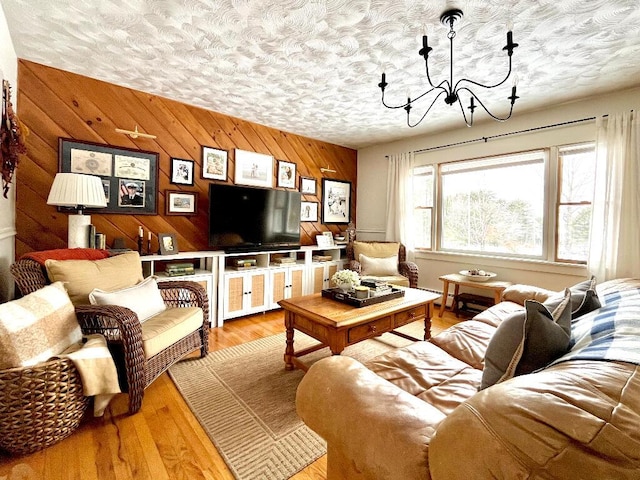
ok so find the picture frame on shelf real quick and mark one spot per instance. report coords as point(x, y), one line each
point(181, 203)
point(308, 186)
point(308, 211)
point(214, 163)
point(129, 176)
point(182, 171)
point(286, 174)
point(253, 169)
point(324, 240)
point(336, 201)
point(168, 243)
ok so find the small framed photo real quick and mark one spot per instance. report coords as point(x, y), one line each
point(181, 171)
point(325, 240)
point(168, 243)
point(254, 169)
point(214, 163)
point(181, 203)
point(336, 201)
point(307, 186)
point(286, 174)
point(308, 211)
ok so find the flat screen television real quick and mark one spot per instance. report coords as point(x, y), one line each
point(243, 219)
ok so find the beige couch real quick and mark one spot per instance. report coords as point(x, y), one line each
point(416, 413)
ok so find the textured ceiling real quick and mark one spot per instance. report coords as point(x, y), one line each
point(312, 67)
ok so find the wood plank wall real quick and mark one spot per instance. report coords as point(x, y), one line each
point(54, 103)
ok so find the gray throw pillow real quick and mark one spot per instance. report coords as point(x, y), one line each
point(584, 298)
point(527, 341)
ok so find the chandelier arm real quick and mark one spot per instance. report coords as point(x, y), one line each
point(456, 89)
point(499, 119)
point(464, 115)
point(426, 112)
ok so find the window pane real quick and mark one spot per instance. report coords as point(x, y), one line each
point(495, 205)
point(422, 227)
point(578, 169)
point(422, 189)
point(574, 222)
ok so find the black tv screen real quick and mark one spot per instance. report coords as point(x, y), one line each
point(250, 218)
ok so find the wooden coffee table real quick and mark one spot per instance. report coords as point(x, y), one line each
point(337, 325)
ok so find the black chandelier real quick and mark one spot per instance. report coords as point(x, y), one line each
point(447, 87)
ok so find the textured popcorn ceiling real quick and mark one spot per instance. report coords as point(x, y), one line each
point(312, 67)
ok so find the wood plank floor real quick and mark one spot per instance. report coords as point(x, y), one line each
point(164, 440)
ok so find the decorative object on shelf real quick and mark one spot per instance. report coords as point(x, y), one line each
point(253, 169)
point(345, 280)
point(135, 133)
point(324, 241)
point(286, 174)
point(181, 171)
point(336, 201)
point(307, 186)
point(140, 237)
point(477, 275)
point(129, 177)
point(181, 203)
point(168, 243)
point(149, 244)
point(12, 132)
point(350, 232)
point(308, 211)
point(214, 163)
point(77, 191)
point(450, 89)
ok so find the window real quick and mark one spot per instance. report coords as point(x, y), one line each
point(494, 205)
point(508, 205)
point(576, 180)
point(422, 189)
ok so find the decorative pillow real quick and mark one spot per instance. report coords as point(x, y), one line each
point(375, 249)
point(82, 276)
point(584, 298)
point(527, 341)
point(144, 298)
point(379, 267)
point(36, 327)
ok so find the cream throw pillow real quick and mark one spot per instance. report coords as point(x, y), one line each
point(36, 327)
point(80, 277)
point(375, 249)
point(144, 298)
point(379, 267)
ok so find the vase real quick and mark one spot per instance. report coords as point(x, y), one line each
point(344, 287)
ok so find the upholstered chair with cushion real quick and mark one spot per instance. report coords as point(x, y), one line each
point(148, 325)
point(384, 261)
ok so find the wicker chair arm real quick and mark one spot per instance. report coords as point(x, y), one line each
point(29, 275)
point(180, 293)
point(409, 270)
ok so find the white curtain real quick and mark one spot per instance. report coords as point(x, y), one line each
point(399, 200)
point(615, 225)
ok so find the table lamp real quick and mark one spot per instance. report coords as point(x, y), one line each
point(77, 191)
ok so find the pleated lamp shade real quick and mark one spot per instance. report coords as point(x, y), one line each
point(77, 191)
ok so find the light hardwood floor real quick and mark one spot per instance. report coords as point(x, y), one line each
point(164, 440)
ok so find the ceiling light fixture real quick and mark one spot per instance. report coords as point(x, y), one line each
point(447, 87)
point(135, 133)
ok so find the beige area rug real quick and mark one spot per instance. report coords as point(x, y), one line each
point(245, 400)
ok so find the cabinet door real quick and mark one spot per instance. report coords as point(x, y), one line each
point(245, 293)
point(257, 294)
point(296, 282)
point(319, 278)
point(279, 280)
point(234, 293)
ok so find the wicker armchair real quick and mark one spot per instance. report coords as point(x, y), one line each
point(405, 268)
point(122, 329)
point(39, 405)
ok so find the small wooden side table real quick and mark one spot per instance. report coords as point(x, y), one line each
point(458, 280)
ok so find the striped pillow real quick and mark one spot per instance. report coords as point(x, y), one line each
point(36, 327)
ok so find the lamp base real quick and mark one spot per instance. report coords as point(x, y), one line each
point(79, 231)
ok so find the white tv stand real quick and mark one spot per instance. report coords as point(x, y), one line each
point(237, 291)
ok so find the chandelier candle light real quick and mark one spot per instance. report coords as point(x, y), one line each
point(447, 87)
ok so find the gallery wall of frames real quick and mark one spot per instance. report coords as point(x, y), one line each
point(160, 184)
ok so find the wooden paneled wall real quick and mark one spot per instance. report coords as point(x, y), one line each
point(53, 103)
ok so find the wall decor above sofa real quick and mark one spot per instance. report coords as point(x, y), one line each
point(129, 177)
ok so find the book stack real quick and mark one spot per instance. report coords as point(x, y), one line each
point(242, 263)
point(321, 258)
point(376, 287)
point(284, 260)
point(176, 269)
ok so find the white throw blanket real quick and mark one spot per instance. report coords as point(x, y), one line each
point(97, 370)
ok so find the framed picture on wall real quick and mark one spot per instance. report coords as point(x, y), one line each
point(181, 203)
point(336, 201)
point(129, 177)
point(253, 169)
point(307, 186)
point(214, 163)
point(181, 171)
point(286, 174)
point(308, 211)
